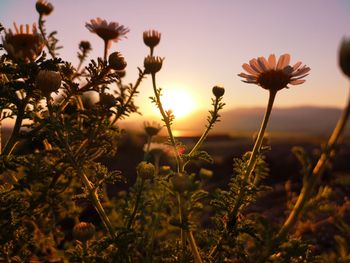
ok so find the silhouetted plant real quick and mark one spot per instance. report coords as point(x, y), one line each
point(54, 198)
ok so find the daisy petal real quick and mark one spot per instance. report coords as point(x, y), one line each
point(297, 81)
point(263, 63)
point(254, 64)
point(249, 69)
point(299, 77)
point(272, 61)
point(301, 71)
point(297, 65)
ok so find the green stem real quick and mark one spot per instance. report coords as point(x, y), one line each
point(182, 231)
point(253, 156)
point(206, 132)
point(167, 124)
point(12, 141)
point(0, 131)
point(84, 251)
point(42, 31)
point(251, 165)
point(194, 247)
point(308, 188)
point(128, 101)
point(105, 51)
point(136, 205)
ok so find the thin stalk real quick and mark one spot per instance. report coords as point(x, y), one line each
point(182, 231)
point(194, 247)
point(251, 165)
point(136, 205)
point(84, 251)
point(206, 132)
point(81, 173)
point(149, 140)
point(254, 154)
point(132, 93)
point(167, 124)
point(316, 173)
point(42, 31)
point(12, 141)
point(105, 51)
point(310, 184)
point(0, 131)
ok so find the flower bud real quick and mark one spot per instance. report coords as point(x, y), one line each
point(145, 170)
point(152, 64)
point(117, 61)
point(344, 56)
point(107, 100)
point(205, 173)
point(218, 91)
point(152, 129)
point(151, 38)
point(85, 46)
point(48, 81)
point(84, 231)
point(181, 183)
point(43, 7)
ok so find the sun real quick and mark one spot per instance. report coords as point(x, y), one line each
point(179, 100)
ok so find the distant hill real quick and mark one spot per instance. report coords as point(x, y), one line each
point(306, 120)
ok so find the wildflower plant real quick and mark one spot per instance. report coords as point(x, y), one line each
point(55, 198)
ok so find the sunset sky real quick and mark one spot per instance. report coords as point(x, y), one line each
point(205, 42)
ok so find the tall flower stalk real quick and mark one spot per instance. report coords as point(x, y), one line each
point(318, 170)
point(273, 76)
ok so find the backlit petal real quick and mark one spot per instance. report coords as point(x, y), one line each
point(272, 61)
point(249, 69)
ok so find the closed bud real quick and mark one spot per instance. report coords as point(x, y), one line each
point(48, 81)
point(116, 61)
point(181, 183)
point(152, 64)
point(205, 173)
point(85, 46)
point(84, 231)
point(344, 56)
point(107, 100)
point(43, 7)
point(218, 91)
point(145, 170)
point(151, 38)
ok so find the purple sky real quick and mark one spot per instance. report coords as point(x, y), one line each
point(205, 42)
